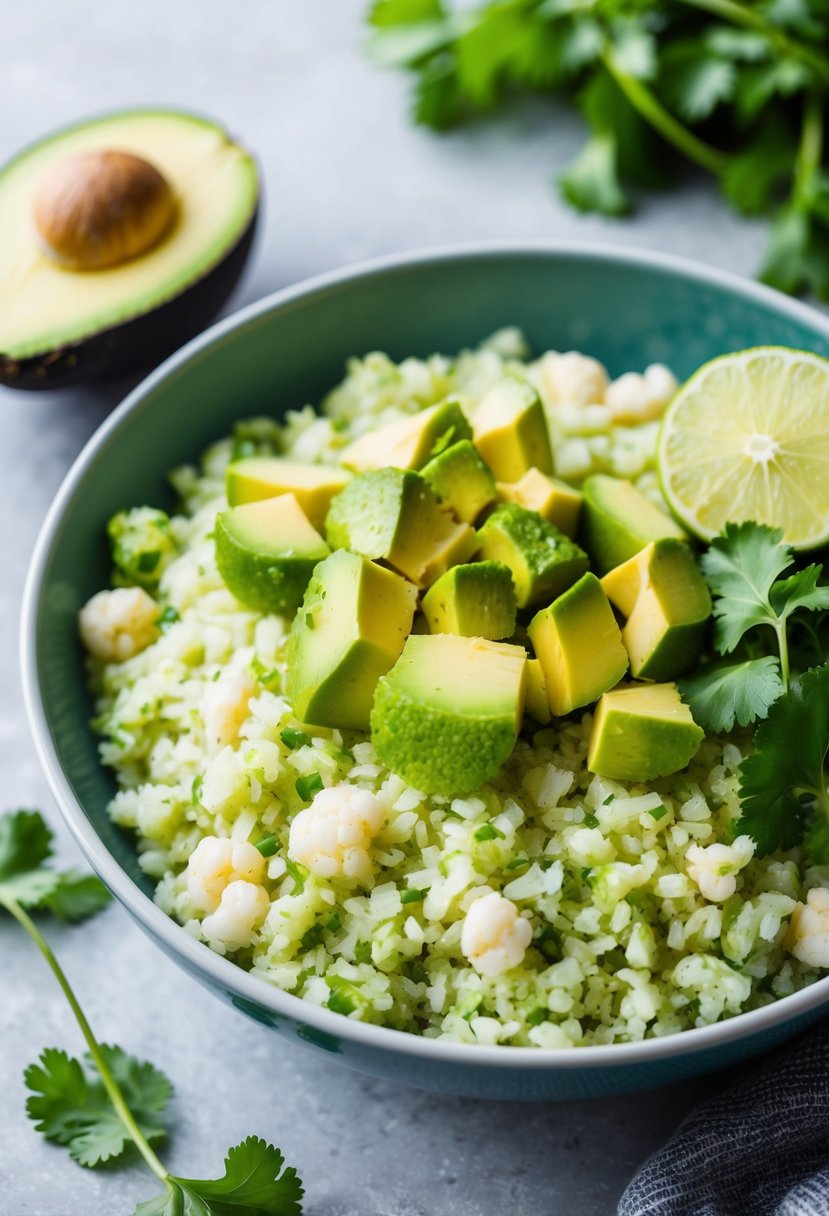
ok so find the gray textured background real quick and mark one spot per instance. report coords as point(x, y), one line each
point(346, 178)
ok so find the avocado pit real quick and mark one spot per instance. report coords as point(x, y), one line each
point(100, 209)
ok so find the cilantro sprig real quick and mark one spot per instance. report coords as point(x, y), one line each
point(783, 783)
point(754, 609)
point(740, 90)
point(110, 1103)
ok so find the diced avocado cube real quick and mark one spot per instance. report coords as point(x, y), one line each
point(411, 442)
point(579, 645)
point(393, 515)
point(510, 430)
point(617, 521)
point(142, 545)
point(474, 601)
point(642, 732)
point(542, 560)
point(668, 606)
point(266, 551)
point(553, 500)
point(447, 715)
point(537, 702)
point(350, 630)
point(461, 480)
point(313, 485)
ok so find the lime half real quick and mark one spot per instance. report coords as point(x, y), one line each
point(747, 437)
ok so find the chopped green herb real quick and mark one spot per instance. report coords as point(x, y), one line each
point(293, 738)
point(298, 873)
point(411, 896)
point(306, 787)
point(345, 997)
point(169, 616)
point(517, 863)
point(195, 790)
point(538, 1015)
point(658, 813)
point(489, 832)
point(312, 937)
point(268, 846)
point(362, 952)
point(333, 924)
point(590, 820)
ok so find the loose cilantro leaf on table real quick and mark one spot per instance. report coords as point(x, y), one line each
point(783, 782)
point(25, 847)
point(254, 1182)
point(71, 1106)
point(740, 90)
point(100, 1106)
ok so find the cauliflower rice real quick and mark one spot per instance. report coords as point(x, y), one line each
point(605, 912)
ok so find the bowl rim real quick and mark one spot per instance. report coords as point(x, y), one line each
point(195, 956)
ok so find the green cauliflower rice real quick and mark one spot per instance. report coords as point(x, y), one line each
point(624, 946)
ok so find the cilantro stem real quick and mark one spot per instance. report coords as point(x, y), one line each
point(115, 1096)
point(652, 110)
point(783, 647)
point(749, 18)
point(810, 151)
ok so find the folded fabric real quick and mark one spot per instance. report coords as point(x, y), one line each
point(759, 1148)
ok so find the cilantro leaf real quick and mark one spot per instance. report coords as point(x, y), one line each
point(71, 1106)
point(696, 82)
point(753, 174)
point(797, 257)
point(76, 897)
point(591, 182)
point(25, 845)
point(254, 1182)
point(403, 12)
point(722, 694)
point(740, 567)
point(800, 590)
point(788, 760)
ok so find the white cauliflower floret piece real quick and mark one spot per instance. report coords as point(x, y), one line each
point(224, 706)
point(115, 625)
point(714, 867)
point(494, 937)
point(633, 398)
point(215, 864)
point(244, 905)
point(572, 379)
point(808, 935)
point(332, 836)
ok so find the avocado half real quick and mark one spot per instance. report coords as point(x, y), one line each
point(61, 326)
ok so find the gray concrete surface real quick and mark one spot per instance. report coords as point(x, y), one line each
point(347, 177)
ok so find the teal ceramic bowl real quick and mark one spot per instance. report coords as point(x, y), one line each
point(627, 308)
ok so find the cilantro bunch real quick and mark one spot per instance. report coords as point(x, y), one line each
point(109, 1102)
point(769, 622)
point(739, 89)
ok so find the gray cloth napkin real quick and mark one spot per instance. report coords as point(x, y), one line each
point(759, 1148)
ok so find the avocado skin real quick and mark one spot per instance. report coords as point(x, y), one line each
point(140, 342)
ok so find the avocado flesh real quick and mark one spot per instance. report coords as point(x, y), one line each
point(579, 645)
point(476, 600)
point(411, 442)
point(537, 703)
point(510, 431)
point(543, 561)
point(447, 715)
point(313, 485)
point(266, 552)
point(44, 308)
point(642, 732)
point(668, 606)
point(392, 515)
point(462, 480)
point(617, 521)
point(555, 501)
point(351, 628)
